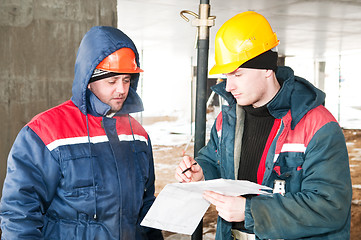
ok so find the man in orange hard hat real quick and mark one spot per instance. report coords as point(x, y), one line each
point(84, 169)
point(276, 132)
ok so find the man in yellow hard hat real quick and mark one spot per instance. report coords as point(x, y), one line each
point(274, 131)
point(84, 169)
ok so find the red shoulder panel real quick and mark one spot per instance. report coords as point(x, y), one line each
point(67, 122)
point(62, 121)
point(299, 138)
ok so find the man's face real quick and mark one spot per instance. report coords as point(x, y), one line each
point(248, 86)
point(112, 91)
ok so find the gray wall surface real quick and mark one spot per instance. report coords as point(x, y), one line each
point(39, 40)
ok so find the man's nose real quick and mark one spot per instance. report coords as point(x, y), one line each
point(120, 87)
point(229, 84)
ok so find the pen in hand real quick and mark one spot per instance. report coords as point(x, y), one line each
point(187, 169)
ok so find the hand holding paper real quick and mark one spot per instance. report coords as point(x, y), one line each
point(179, 207)
point(229, 208)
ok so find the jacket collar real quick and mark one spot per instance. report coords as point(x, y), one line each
point(97, 108)
point(296, 94)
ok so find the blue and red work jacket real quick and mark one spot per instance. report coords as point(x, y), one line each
point(75, 172)
point(306, 149)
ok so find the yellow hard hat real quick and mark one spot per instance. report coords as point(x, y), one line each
point(240, 39)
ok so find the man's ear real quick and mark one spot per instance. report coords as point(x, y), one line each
point(269, 73)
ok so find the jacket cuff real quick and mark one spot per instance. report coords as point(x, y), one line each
point(248, 221)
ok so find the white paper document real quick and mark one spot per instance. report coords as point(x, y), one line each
point(180, 207)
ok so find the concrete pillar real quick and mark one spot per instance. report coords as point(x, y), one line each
point(320, 67)
point(281, 60)
point(39, 40)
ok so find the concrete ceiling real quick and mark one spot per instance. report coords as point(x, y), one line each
point(315, 28)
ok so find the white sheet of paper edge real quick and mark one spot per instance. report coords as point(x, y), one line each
point(179, 207)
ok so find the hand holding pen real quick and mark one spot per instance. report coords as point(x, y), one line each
point(188, 170)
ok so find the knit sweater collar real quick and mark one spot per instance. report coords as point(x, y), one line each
point(257, 112)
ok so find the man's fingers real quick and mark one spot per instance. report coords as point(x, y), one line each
point(223, 214)
point(188, 170)
point(228, 207)
point(214, 198)
point(182, 176)
point(188, 161)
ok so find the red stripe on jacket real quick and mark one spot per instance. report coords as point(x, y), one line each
point(305, 129)
point(262, 163)
point(66, 121)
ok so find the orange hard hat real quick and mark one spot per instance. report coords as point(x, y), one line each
point(120, 61)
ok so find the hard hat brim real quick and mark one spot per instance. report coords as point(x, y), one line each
point(137, 70)
point(223, 69)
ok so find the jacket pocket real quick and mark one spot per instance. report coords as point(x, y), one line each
point(143, 158)
point(80, 172)
point(289, 169)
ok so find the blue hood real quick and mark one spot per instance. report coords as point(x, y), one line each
point(97, 44)
point(296, 94)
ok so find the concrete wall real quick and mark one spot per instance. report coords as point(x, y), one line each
point(39, 40)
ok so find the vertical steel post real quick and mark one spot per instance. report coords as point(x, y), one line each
point(201, 90)
point(339, 90)
point(203, 22)
point(202, 75)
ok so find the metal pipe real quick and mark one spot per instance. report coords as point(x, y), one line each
point(201, 95)
point(201, 91)
point(201, 100)
point(203, 22)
